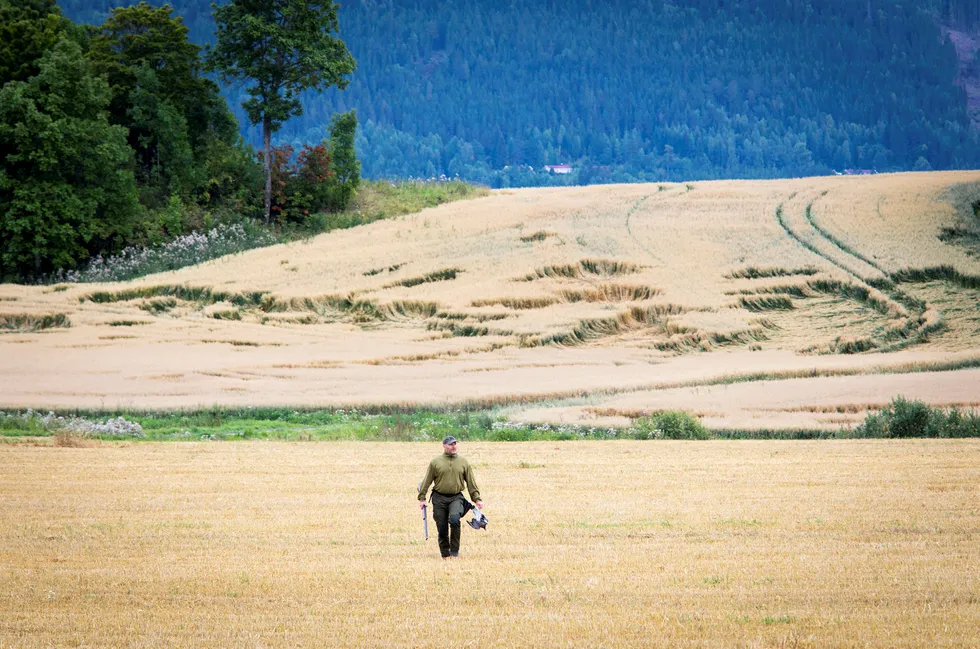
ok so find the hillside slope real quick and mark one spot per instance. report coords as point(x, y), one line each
point(614, 291)
point(646, 90)
point(967, 44)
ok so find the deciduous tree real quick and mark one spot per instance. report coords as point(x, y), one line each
point(280, 48)
point(344, 164)
point(65, 185)
point(160, 94)
point(28, 29)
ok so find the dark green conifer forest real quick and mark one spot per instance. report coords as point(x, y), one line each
point(639, 90)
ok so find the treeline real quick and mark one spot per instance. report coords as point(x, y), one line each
point(114, 136)
point(642, 90)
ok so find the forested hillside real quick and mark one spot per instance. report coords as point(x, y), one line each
point(640, 90)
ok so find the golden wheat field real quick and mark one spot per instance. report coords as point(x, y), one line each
point(590, 544)
point(833, 295)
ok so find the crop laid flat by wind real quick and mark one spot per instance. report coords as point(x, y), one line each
point(794, 298)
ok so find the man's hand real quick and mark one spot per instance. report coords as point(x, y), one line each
point(421, 504)
point(479, 505)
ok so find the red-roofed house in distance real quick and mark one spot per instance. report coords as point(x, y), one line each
point(558, 169)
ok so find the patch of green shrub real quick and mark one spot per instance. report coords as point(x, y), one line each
point(904, 418)
point(910, 419)
point(670, 424)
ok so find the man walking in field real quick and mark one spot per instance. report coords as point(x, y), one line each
point(447, 474)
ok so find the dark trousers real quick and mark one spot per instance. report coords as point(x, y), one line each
point(448, 511)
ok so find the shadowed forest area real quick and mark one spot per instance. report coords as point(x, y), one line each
point(639, 91)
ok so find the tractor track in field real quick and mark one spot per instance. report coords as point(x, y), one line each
point(629, 229)
point(828, 247)
point(808, 214)
point(818, 240)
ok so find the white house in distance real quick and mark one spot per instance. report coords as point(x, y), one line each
point(558, 169)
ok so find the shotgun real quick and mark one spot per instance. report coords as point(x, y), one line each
point(425, 519)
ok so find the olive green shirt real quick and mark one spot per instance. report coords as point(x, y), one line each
point(446, 474)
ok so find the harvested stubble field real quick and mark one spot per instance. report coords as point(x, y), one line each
point(827, 295)
point(590, 544)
